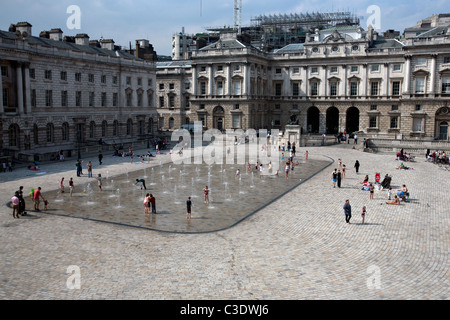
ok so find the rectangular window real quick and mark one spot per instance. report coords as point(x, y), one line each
point(114, 80)
point(171, 86)
point(161, 86)
point(278, 89)
point(354, 69)
point(277, 119)
point(91, 78)
point(48, 98)
point(397, 67)
point(295, 89)
point(333, 88)
point(219, 88)
point(334, 69)
point(417, 124)
point(236, 68)
point(447, 59)
point(314, 88)
point(394, 107)
point(420, 85)
point(48, 74)
point(64, 98)
point(5, 71)
point(278, 71)
point(78, 98)
point(91, 99)
point(32, 73)
point(296, 70)
point(5, 97)
point(446, 85)
point(161, 102)
point(63, 76)
point(128, 81)
point(236, 121)
point(202, 69)
point(33, 98)
point(78, 77)
point(171, 101)
point(394, 122)
point(103, 79)
point(374, 88)
point(219, 68)
point(353, 88)
point(373, 107)
point(396, 88)
point(418, 107)
point(373, 122)
point(421, 61)
point(139, 81)
point(115, 99)
point(129, 99)
point(237, 88)
point(314, 70)
point(187, 103)
point(202, 87)
point(375, 68)
point(103, 99)
point(139, 99)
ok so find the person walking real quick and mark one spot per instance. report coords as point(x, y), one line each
point(356, 139)
point(347, 211)
point(100, 182)
point(371, 190)
point(206, 193)
point(357, 166)
point(100, 158)
point(146, 203)
point(339, 178)
point(189, 208)
point(61, 185)
point(15, 204)
point(334, 177)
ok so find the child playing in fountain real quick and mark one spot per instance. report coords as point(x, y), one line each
point(99, 179)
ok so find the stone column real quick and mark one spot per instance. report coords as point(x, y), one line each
point(2, 109)
point(194, 81)
point(386, 79)
point(211, 80)
point(345, 85)
point(407, 75)
point(365, 81)
point(324, 88)
point(19, 87)
point(433, 74)
point(229, 81)
point(27, 88)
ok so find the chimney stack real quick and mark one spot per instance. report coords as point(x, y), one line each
point(24, 27)
point(82, 39)
point(56, 34)
point(108, 44)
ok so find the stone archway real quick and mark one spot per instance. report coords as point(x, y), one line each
point(352, 120)
point(219, 118)
point(332, 120)
point(313, 120)
point(442, 121)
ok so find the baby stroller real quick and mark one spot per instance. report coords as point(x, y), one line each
point(377, 177)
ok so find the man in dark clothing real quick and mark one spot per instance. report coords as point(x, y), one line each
point(100, 158)
point(347, 211)
point(143, 183)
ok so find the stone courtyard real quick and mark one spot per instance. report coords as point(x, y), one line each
point(297, 247)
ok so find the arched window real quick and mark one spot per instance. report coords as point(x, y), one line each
point(92, 130)
point(14, 135)
point(65, 131)
point(129, 127)
point(50, 133)
point(104, 128)
point(36, 134)
point(116, 128)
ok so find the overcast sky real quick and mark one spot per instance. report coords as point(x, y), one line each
point(157, 21)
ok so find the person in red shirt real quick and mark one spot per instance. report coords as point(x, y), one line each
point(153, 203)
point(37, 195)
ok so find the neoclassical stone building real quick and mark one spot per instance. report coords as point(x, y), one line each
point(68, 93)
point(342, 79)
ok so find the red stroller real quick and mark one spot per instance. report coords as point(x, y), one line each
point(377, 177)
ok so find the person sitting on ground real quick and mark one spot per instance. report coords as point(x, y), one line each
point(395, 202)
point(403, 167)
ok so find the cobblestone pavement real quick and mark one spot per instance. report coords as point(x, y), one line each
point(298, 247)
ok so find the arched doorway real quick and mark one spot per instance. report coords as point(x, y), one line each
point(352, 120)
point(313, 121)
point(442, 120)
point(218, 117)
point(332, 120)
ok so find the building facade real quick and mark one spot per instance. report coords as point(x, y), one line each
point(339, 80)
point(67, 94)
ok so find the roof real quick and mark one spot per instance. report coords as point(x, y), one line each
point(387, 44)
point(69, 46)
point(293, 47)
point(342, 28)
point(173, 64)
point(437, 31)
point(225, 44)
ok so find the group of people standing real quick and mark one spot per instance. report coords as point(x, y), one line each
point(18, 202)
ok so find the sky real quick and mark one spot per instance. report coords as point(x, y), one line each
point(125, 21)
